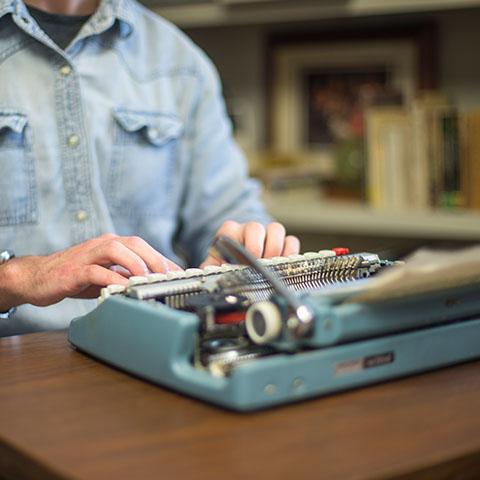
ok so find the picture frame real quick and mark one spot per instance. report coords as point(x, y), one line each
point(318, 84)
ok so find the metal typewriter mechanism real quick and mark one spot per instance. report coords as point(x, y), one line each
point(255, 333)
point(238, 322)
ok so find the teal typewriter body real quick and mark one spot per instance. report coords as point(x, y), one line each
point(352, 341)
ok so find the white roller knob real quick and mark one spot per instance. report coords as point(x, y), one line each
point(263, 322)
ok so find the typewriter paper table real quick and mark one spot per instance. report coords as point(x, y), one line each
point(64, 415)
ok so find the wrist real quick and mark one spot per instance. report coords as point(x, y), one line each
point(10, 297)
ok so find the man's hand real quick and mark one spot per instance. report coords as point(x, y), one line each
point(79, 271)
point(260, 241)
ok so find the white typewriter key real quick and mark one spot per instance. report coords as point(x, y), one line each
point(137, 280)
point(295, 258)
point(278, 260)
point(104, 294)
point(263, 322)
point(193, 272)
point(212, 269)
point(156, 277)
point(327, 253)
point(110, 290)
point(175, 275)
point(114, 288)
point(312, 255)
point(227, 267)
point(265, 261)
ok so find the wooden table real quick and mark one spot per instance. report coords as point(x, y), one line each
point(63, 415)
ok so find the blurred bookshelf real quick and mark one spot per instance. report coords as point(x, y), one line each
point(421, 181)
point(212, 13)
point(307, 211)
point(419, 175)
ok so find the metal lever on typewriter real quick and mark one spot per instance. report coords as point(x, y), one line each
point(264, 320)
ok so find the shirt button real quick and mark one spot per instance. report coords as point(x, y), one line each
point(66, 70)
point(81, 216)
point(73, 141)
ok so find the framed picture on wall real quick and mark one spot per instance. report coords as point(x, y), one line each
point(319, 87)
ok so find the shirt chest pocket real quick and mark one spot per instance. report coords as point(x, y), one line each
point(17, 174)
point(143, 167)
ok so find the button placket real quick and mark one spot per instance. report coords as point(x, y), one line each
point(75, 162)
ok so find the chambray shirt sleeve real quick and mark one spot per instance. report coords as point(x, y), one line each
point(218, 187)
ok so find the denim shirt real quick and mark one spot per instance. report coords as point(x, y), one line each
point(125, 131)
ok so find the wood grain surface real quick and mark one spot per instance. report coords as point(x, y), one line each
point(64, 415)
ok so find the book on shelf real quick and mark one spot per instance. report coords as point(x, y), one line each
point(450, 188)
point(388, 147)
point(470, 155)
point(426, 139)
point(423, 156)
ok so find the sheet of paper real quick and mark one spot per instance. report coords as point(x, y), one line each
point(423, 272)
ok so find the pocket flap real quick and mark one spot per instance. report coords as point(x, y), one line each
point(159, 127)
point(12, 120)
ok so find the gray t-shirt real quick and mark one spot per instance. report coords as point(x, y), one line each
point(62, 29)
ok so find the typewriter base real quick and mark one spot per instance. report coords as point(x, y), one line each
point(157, 343)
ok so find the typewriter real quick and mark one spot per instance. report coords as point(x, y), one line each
point(252, 334)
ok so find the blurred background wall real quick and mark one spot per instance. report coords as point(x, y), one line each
point(361, 117)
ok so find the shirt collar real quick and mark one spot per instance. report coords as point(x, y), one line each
point(107, 13)
point(111, 10)
point(125, 14)
point(7, 6)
